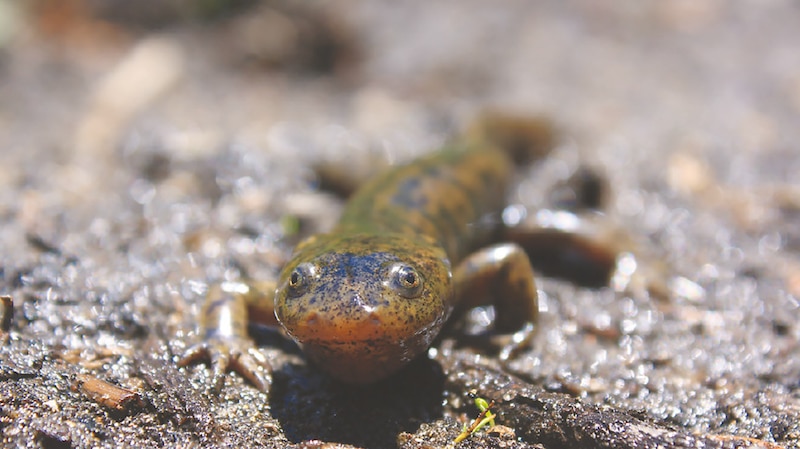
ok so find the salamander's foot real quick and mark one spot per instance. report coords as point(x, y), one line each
point(231, 354)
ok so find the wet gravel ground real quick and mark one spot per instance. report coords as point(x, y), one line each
point(146, 155)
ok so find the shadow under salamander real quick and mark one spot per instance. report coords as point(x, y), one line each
point(312, 406)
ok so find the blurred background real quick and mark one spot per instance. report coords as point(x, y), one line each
point(149, 148)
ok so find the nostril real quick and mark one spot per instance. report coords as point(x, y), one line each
point(375, 319)
point(312, 319)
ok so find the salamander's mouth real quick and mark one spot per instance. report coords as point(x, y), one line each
point(323, 331)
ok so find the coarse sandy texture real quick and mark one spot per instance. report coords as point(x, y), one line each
point(144, 155)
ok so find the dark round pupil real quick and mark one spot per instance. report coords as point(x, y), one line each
point(294, 279)
point(409, 277)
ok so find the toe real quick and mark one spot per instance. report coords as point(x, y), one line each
point(194, 354)
point(254, 367)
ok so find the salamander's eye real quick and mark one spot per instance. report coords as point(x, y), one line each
point(298, 280)
point(406, 281)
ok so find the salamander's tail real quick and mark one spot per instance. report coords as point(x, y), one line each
point(524, 137)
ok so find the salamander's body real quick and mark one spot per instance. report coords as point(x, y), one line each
point(375, 291)
point(366, 298)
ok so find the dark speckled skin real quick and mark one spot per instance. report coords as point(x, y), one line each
point(441, 196)
point(368, 297)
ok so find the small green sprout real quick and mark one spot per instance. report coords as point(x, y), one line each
point(485, 417)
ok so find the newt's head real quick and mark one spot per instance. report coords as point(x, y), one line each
point(364, 305)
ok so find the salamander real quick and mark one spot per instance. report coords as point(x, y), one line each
point(412, 248)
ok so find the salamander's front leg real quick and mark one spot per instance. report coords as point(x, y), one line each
point(228, 308)
point(591, 250)
point(500, 275)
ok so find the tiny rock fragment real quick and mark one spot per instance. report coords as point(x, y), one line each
point(688, 174)
point(107, 394)
point(504, 432)
point(6, 315)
